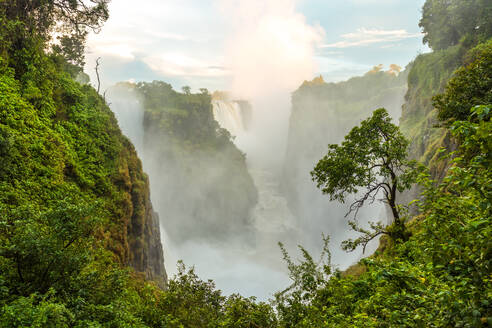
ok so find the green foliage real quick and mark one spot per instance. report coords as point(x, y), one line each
point(35, 311)
point(191, 301)
point(46, 250)
point(452, 29)
point(374, 149)
point(186, 118)
point(445, 23)
point(294, 304)
point(241, 312)
point(470, 85)
point(38, 20)
point(71, 187)
point(71, 184)
point(372, 157)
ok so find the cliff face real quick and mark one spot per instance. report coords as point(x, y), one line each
point(200, 181)
point(322, 113)
point(61, 144)
point(428, 76)
point(144, 243)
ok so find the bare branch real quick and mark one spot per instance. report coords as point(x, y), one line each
point(97, 74)
point(369, 195)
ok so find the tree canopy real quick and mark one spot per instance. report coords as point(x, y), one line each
point(446, 22)
point(470, 85)
point(42, 19)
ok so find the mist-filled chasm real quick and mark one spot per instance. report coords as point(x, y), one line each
point(224, 210)
point(230, 170)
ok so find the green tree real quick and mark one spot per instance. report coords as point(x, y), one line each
point(295, 303)
point(186, 90)
point(46, 250)
point(372, 159)
point(470, 85)
point(71, 20)
point(446, 22)
point(190, 301)
point(241, 312)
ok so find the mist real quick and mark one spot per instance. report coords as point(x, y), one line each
point(226, 219)
point(270, 51)
point(239, 254)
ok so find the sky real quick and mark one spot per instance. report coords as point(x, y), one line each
point(190, 42)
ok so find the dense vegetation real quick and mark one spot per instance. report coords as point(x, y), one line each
point(440, 277)
point(446, 23)
point(75, 212)
point(74, 208)
point(471, 85)
point(452, 29)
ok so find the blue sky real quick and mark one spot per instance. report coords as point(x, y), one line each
point(187, 42)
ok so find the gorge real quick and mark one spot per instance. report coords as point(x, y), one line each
point(214, 225)
point(116, 159)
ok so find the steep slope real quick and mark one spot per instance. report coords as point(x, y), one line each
point(428, 75)
point(451, 41)
point(61, 145)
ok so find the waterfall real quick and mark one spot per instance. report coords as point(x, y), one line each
point(229, 115)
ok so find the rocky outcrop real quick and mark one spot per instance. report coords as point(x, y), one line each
point(145, 252)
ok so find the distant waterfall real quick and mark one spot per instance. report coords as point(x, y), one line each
point(230, 116)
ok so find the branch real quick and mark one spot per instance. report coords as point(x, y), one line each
point(370, 194)
point(351, 245)
point(97, 74)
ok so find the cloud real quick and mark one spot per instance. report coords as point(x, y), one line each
point(366, 37)
point(179, 64)
point(176, 41)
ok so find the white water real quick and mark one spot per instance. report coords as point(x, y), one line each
point(249, 264)
point(272, 218)
point(228, 115)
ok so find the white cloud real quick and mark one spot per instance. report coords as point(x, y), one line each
point(179, 64)
point(174, 38)
point(365, 37)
